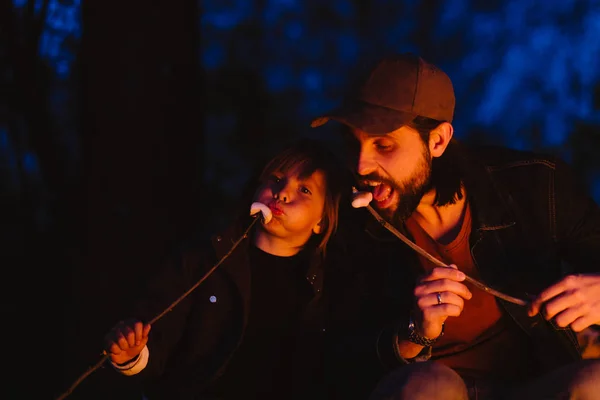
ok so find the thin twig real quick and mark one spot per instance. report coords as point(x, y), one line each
point(437, 262)
point(166, 310)
point(210, 271)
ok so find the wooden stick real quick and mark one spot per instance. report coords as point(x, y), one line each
point(437, 262)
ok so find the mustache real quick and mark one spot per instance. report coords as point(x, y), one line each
point(363, 179)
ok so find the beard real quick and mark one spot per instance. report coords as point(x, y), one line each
point(410, 192)
point(410, 195)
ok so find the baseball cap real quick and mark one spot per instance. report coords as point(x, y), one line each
point(398, 89)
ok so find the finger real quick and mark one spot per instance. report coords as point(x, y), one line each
point(123, 343)
point(146, 330)
point(139, 332)
point(129, 334)
point(114, 349)
point(569, 315)
point(583, 322)
point(114, 333)
point(444, 273)
point(111, 337)
point(560, 303)
point(441, 312)
point(432, 300)
point(443, 285)
point(550, 292)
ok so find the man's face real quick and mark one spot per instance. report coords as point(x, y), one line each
point(395, 167)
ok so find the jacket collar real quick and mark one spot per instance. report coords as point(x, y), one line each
point(237, 264)
point(488, 204)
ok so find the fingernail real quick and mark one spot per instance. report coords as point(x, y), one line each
point(137, 342)
point(461, 275)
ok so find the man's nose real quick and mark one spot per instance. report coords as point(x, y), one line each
point(365, 164)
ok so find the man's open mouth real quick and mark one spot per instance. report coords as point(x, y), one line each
point(381, 190)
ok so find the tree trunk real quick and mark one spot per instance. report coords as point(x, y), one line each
point(142, 142)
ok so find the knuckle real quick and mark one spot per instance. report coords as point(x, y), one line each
point(545, 310)
point(577, 327)
point(443, 284)
point(456, 311)
point(437, 272)
point(560, 321)
point(448, 309)
point(571, 280)
point(579, 296)
point(420, 302)
point(417, 292)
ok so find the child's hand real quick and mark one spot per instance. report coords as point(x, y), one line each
point(126, 340)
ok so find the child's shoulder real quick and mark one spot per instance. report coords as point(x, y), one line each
point(209, 245)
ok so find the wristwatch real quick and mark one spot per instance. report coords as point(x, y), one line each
point(415, 337)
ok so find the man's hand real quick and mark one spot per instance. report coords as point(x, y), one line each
point(440, 295)
point(126, 340)
point(574, 301)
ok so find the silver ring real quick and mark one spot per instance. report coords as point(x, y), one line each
point(439, 297)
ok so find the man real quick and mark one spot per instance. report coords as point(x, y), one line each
point(514, 220)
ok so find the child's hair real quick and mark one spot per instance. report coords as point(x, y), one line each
point(311, 155)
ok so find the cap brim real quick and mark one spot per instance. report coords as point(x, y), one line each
point(374, 120)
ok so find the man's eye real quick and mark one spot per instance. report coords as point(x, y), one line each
point(383, 146)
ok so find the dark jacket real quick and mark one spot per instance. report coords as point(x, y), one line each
point(191, 345)
point(532, 224)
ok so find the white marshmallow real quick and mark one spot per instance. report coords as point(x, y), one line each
point(260, 207)
point(361, 199)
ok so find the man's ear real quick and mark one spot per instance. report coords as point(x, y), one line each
point(317, 228)
point(439, 138)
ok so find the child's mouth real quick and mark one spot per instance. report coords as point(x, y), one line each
point(275, 208)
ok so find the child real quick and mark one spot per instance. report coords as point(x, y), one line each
point(248, 330)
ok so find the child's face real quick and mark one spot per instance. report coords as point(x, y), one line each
point(297, 204)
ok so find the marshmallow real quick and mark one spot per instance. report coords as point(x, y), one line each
point(361, 199)
point(260, 207)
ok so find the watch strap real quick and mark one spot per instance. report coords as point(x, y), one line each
point(415, 337)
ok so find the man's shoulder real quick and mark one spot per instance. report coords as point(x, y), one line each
point(497, 158)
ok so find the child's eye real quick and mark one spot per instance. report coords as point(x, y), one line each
point(305, 190)
point(274, 179)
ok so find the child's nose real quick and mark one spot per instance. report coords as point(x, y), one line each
point(283, 194)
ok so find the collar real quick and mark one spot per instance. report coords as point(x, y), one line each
point(223, 242)
point(489, 206)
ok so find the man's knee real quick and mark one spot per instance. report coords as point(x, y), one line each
point(586, 382)
point(424, 380)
